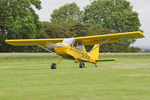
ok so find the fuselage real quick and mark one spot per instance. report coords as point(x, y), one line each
point(70, 52)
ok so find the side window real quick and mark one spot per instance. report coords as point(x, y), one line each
point(75, 44)
point(78, 45)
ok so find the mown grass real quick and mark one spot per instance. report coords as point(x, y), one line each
point(27, 76)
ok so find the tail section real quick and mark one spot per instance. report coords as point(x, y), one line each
point(84, 50)
point(95, 52)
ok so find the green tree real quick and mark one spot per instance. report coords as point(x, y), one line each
point(67, 30)
point(18, 20)
point(79, 29)
point(54, 30)
point(116, 15)
point(67, 13)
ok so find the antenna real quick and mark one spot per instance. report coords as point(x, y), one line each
point(74, 35)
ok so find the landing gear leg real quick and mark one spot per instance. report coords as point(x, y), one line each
point(53, 65)
point(95, 64)
point(81, 64)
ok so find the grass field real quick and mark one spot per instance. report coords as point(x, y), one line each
point(27, 76)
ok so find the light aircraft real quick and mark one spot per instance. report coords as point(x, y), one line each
point(74, 48)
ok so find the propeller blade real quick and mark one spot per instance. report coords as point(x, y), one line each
point(51, 45)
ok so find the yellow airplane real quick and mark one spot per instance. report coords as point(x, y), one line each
point(74, 48)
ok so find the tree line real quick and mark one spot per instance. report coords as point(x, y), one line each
point(18, 20)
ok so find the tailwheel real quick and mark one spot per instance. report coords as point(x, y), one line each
point(81, 65)
point(53, 66)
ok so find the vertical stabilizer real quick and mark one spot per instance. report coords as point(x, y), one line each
point(84, 50)
point(95, 52)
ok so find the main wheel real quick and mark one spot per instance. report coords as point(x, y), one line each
point(81, 65)
point(53, 66)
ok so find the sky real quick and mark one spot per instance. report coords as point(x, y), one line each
point(140, 6)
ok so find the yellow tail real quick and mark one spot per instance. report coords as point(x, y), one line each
point(95, 52)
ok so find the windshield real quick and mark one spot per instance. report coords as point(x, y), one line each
point(69, 41)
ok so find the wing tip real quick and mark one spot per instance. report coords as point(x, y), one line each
point(141, 34)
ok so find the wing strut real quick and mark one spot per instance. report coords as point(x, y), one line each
point(100, 44)
point(95, 47)
point(44, 48)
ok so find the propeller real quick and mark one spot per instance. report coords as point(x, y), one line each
point(51, 45)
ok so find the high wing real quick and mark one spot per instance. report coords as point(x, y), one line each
point(109, 38)
point(88, 40)
point(31, 42)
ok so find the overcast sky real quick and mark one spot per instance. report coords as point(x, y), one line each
point(140, 6)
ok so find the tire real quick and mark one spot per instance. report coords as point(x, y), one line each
point(53, 66)
point(81, 65)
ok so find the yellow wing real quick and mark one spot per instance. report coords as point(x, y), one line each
point(109, 38)
point(31, 42)
point(88, 40)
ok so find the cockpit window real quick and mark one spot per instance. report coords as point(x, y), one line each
point(72, 42)
point(78, 45)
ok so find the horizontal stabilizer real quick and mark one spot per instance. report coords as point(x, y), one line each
point(110, 59)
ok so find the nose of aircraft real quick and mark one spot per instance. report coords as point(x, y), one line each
point(60, 48)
